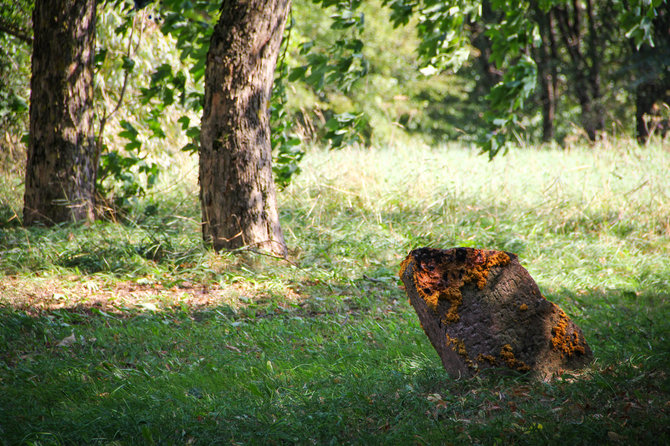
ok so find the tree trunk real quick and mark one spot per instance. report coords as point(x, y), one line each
point(586, 67)
point(652, 78)
point(61, 165)
point(237, 193)
point(596, 119)
point(481, 309)
point(491, 75)
point(547, 72)
point(644, 102)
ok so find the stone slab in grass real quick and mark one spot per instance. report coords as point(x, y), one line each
point(481, 309)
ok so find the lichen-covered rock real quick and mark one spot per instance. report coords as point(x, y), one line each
point(482, 309)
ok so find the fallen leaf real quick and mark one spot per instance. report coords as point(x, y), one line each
point(148, 306)
point(67, 341)
point(613, 436)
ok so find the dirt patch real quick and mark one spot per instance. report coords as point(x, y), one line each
point(52, 293)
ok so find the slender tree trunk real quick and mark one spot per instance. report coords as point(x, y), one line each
point(491, 75)
point(644, 102)
point(546, 71)
point(586, 81)
point(555, 60)
point(237, 193)
point(653, 78)
point(61, 165)
point(594, 54)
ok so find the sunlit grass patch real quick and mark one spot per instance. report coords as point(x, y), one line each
point(132, 332)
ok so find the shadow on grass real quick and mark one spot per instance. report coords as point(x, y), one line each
point(8, 217)
point(308, 375)
point(117, 249)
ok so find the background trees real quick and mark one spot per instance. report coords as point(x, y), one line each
point(576, 51)
point(486, 71)
point(650, 66)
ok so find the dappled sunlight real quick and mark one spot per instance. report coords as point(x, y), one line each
point(56, 293)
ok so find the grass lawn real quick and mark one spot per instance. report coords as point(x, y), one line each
point(133, 333)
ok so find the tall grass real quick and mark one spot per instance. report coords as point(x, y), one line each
point(565, 213)
point(133, 333)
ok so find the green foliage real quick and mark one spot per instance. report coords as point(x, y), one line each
point(444, 30)
point(345, 76)
point(12, 105)
point(141, 85)
point(636, 19)
point(15, 37)
point(444, 42)
point(392, 100)
point(125, 169)
point(15, 19)
point(286, 144)
point(506, 100)
point(341, 64)
point(334, 67)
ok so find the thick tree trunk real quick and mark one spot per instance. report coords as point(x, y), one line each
point(61, 166)
point(237, 193)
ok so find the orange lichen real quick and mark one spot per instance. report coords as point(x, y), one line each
point(566, 344)
point(507, 356)
point(439, 275)
point(403, 265)
point(488, 358)
point(459, 347)
point(482, 261)
point(523, 307)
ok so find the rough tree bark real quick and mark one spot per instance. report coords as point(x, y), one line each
point(237, 192)
point(62, 163)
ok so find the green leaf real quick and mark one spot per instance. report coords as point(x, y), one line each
point(184, 121)
point(133, 145)
point(129, 131)
point(297, 73)
point(128, 64)
point(100, 58)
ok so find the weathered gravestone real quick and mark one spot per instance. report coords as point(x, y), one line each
point(482, 309)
